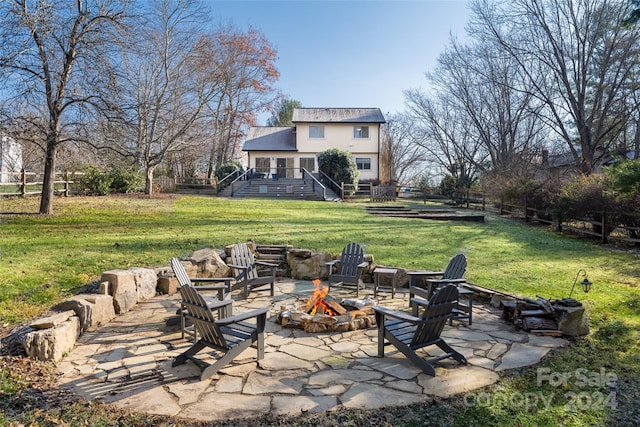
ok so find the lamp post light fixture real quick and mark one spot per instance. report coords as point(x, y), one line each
point(586, 283)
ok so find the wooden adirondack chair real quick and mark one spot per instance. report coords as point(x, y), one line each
point(222, 290)
point(349, 266)
point(246, 270)
point(410, 333)
point(229, 336)
point(435, 279)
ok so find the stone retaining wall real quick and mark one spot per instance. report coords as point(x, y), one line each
point(50, 337)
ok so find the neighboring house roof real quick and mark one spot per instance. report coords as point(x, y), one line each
point(337, 115)
point(270, 138)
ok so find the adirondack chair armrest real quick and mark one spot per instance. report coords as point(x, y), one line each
point(332, 262)
point(400, 315)
point(428, 274)
point(421, 292)
point(210, 280)
point(363, 264)
point(423, 302)
point(260, 312)
point(446, 281)
point(217, 303)
point(244, 270)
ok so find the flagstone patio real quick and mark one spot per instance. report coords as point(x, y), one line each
point(128, 363)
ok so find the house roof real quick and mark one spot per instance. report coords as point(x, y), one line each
point(270, 138)
point(337, 115)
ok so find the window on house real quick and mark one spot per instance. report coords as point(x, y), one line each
point(316, 131)
point(308, 163)
point(363, 163)
point(361, 132)
point(263, 165)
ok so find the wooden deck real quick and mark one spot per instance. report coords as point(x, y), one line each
point(434, 214)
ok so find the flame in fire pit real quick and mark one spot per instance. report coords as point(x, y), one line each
point(317, 303)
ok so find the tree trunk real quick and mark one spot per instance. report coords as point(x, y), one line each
point(148, 187)
point(48, 180)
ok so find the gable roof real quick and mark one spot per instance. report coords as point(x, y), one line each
point(337, 115)
point(270, 138)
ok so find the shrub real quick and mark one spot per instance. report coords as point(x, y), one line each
point(95, 182)
point(456, 187)
point(589, 199)
point(339, 166)
point(98, 183)
point(227, 168)
point(125, 181)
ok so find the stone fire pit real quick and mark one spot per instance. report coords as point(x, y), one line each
point(323, 313)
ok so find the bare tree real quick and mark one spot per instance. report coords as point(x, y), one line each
point(51, 54)
point(163, 90)
point(445, 133)
point(486, 86)
point(400, 156)
point(577, 57)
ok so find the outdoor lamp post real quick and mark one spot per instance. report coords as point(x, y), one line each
point(586, 284)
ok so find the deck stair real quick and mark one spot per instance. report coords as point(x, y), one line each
point(285, 188)
point(435, 214)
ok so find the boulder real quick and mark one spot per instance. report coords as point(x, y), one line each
point(92, 310)
point(572, 321)
point(102, 309)
point(146, 281)
point(307, 266)
point(210, 264)
point(167, 285)
point(122, 287)
point(80, 307)
point(53, 343)
point(51, 321)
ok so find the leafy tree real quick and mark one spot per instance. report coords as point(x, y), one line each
point(624, 177)
point(285, 113)
point(339, 166)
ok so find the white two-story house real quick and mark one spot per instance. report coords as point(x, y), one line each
point(285, 150)
point(10, 159)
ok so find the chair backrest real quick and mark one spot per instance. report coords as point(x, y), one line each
point(456, 267)
point(180, 272)
point(242, 255)
point(202, 316)
point(352, 256)
point(436, 314)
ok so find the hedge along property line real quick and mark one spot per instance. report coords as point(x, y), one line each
point(605, 225)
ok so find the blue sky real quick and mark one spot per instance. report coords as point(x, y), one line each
point(350, 53)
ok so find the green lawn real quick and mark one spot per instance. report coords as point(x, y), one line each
point(45, 258)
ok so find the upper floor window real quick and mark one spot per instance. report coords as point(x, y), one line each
point(361, 132)
point(316, 131)
point(363, 163)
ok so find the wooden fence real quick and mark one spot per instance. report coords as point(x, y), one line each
point(383, 193)
point(30, 183)
point(605, 225)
